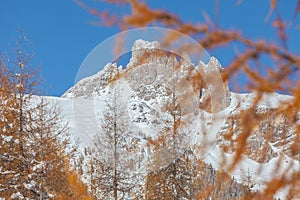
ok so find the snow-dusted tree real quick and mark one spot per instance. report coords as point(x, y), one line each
point(49, 144)
point(16, 155)
point(11, 159)
point(177, 180)
point(173, 167)
point(215, 184)
point(78, 189)
point(32, 139)
point(113, 164)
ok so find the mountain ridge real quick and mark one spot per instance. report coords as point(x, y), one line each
point(145, 91)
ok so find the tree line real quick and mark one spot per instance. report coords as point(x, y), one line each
point(35, 151)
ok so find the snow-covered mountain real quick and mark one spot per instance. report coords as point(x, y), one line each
point(157, 88)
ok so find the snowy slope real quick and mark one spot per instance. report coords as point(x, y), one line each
point(145, 92)
point(81, 116)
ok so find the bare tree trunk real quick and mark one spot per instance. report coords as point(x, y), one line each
point(115, 151)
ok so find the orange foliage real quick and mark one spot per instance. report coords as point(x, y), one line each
point(286, 64)
point(78, 189)
point(141, 15)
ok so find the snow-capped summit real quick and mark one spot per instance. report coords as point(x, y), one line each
point(142, 44)
point(157, 87)
point(151, 64)
point(140, 47)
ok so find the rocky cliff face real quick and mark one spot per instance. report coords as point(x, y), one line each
point(159, 90)
point(154, 72)
point(154, 78)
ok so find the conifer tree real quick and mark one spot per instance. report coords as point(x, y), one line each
point(33, 138)
point(113, 164)
point(11, 158)
point(172, 170)
point(16, 121)
point(49, 142)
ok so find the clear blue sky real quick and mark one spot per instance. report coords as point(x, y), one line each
point(62, 33)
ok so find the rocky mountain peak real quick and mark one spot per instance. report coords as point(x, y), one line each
point(150, 68)
point(142, 44)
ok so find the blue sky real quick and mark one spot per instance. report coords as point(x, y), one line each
point(63, 34)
